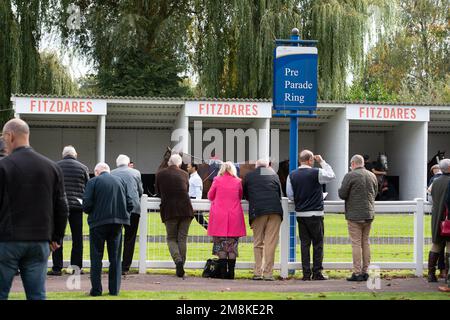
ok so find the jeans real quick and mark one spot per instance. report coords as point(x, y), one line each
point(76, 256)
point(112, 235)
point(31, 259)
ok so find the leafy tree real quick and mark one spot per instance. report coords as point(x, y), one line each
point(21, 65)
point(234, 41)
point(413, 64)
point(138, 46)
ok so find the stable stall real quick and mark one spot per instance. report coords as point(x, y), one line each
point(400, 133)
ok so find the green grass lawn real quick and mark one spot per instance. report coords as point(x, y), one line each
point(207, 295)
point(398, 225)
point(385, 225)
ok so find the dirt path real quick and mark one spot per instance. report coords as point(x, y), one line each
point(172, 283)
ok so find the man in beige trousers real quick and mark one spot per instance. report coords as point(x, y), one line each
point(359, 189)
point(262, 189)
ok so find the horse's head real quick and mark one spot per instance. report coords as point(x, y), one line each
point(440, 155)
point(382, 160)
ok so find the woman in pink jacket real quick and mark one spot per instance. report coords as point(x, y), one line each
point(226, 218)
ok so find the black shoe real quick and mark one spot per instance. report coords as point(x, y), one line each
point(306, 277)
point(180, 269)
point(95, 294)
point(57, 273)
point(319, 276)
point(365, 276)
point(356, 277)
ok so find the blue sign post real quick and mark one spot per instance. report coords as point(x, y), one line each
point(294, 96)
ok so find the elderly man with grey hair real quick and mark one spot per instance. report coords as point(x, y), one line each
point(132, 179)
point(108, 205)
point(33, 212)
point(76, 175)
point(441, 202)
point(359, 189)
point(172, 184)
point(262, 189)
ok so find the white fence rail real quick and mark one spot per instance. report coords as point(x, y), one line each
point(388, 236)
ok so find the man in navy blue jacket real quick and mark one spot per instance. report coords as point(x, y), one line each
point(108, 205)
point(304, 186)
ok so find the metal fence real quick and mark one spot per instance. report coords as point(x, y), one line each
point(398, 238)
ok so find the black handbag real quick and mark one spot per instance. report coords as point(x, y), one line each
point(211, 269)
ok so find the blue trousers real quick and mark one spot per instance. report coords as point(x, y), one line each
point(112, 235)
point(31, 259)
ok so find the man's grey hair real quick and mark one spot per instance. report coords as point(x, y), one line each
point(175, 160)
point(262, 163)
point(102, 167)
point(306, 155)
point(17, 126)
point(69, 151)
point(122, 160)
point(444, 164)
point(358, 160)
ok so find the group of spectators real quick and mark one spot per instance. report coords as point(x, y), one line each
point(262, 189)
point(39, 196)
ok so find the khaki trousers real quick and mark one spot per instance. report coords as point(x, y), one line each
point(177, 231)
point(359, 236)
point(266, 233)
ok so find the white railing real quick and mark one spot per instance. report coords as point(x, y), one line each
point(417, 208)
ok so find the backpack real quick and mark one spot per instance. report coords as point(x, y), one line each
point(211, 269)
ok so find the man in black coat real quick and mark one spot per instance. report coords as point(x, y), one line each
point(76, 175)
point(108, 205)
point(440, 195)
point(262, 188)
point(33, 212)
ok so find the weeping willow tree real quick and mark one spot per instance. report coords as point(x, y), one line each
point(21, 66)
point(54, 78)
point(234, 41)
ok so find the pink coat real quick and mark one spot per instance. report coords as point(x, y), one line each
point(226, 218)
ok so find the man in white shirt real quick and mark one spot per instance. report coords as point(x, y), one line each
point(196, 191)
point(304, 187)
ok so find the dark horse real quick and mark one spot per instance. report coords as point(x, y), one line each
point(434, 160)
point(386, 188)
point(207, 170)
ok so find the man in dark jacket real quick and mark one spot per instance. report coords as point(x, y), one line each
point(359, 189)
point(76, 175)
point(108, 205)
point(33, 212)
point(304, 186)
point(439, 192)
point(172, 184)
point(262, 189)
point(132, 179)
